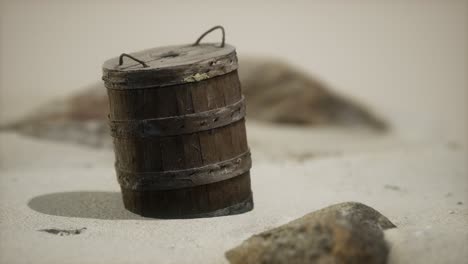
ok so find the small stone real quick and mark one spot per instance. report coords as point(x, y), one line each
point(451, 212)
point(342, 233)
point(63, 232)
point(453, 145)
point(392, 187)
point(459, 203)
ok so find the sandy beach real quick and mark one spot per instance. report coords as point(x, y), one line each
point(419, 186)
point(406, 61)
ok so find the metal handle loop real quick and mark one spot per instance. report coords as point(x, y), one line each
point(131, 57)
point(209, 31)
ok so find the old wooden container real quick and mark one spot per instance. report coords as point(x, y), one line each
point(177, 118)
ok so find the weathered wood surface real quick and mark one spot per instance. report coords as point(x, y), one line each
point(192, 173)
point(181, 124)
point(184, 178)
point(170, 66)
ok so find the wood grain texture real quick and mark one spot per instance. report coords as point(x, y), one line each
point(181, 124)
point(184, 178)
point(170, 66)
point(141, 160)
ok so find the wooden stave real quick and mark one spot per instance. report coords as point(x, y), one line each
point(145, 202)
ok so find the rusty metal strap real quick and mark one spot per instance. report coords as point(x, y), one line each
point(177, 179)
point(177, 125)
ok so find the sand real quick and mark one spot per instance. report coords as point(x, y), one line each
point(418, 185)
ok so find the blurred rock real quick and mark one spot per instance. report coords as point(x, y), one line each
point(342, 233)
point(280, 93)
point(275, 92)
point(79, 118)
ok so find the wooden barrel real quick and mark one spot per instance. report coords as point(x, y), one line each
point(177, 119)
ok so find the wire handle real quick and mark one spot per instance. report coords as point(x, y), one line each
point(195, 44)
point(131, 57)
point(209, 31)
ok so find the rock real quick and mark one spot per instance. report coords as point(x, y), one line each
point(280, 93)
point(283, 94)
point(80, 118)
point(342, 233)
point(63, 232)
point(392, 187)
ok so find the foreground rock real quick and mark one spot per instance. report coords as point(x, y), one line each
point(342, 233)
point(283, 94)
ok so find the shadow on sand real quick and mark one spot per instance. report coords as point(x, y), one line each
point(83, 204)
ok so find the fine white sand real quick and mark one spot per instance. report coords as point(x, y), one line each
point(416, 184)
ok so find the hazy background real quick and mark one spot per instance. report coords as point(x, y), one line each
point(408, 60)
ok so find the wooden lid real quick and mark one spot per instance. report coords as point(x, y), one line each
point(170, 65)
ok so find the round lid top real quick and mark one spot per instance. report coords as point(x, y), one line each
point(170, 65)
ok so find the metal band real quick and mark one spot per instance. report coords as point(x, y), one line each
point(238, 208)
point(177, 125)
point(177, 179)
